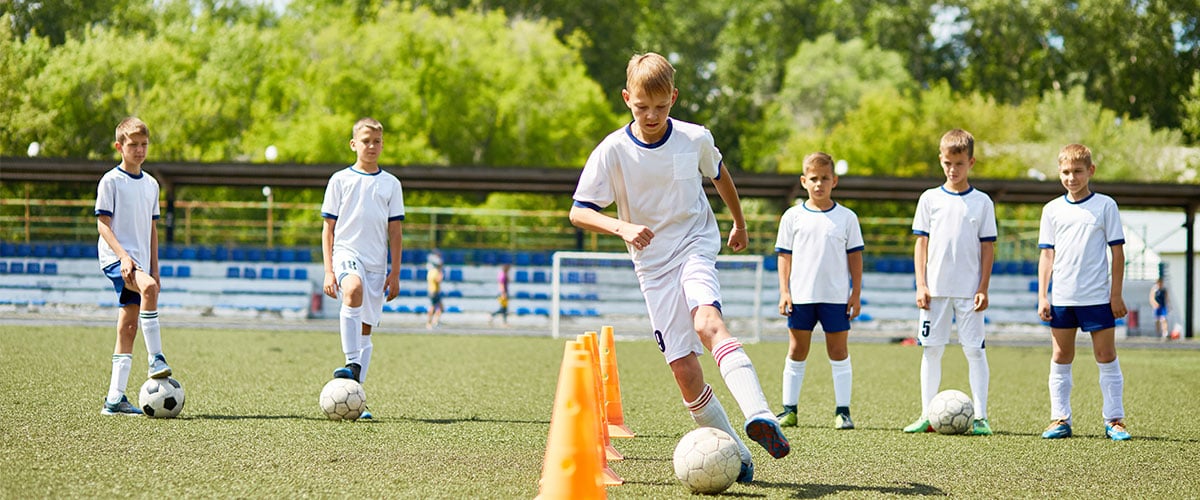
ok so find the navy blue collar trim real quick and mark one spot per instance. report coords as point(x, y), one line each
point(1086, 198)
point(805, 205)
point(964, 193)
point(131, 176)
point(360, 172)
point(656, 144)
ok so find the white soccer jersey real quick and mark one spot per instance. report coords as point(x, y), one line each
point(132, 203)
point(956, 224)
point(363, 204)
point(819, 242)
point(1080, 234)
point(659, 186)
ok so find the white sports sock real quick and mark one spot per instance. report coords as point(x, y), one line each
point(1112, 387)
point(843, 381)
point(740, 377)
point(150, 333)
point(707, 412)
point(366, 347)
point(793, 380)
point(351, 327)
point(1060, 391)
point(931, 375)
point(121, 363)
point(979, 373)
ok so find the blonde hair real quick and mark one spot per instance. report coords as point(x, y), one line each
point(130, 127)
point(1075, 153)
point(958, 141)
point(651, 73)
point(818, 159)
point(367, 123)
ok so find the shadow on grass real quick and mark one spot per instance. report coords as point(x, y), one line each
point(823, 490)
point(250, 417)
point(447, 421)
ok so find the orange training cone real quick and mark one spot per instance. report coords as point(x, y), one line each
point(572, 468)
point(593, 344)
point(609, 477)
point(613, 410)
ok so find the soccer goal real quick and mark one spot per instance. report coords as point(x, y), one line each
point(594, 289)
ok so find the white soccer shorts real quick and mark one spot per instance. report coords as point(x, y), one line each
point(346, 264)
point(936, 322)
point(670, 299)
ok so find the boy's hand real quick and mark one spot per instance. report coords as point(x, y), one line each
point(1044, 309)
point(853, 307)
point(1118, 307)
point(738, 239)
point(392, 285)
point(981, 301)
point(637, 235)
point(331, 287)
point(922, 297)
point(785, 304)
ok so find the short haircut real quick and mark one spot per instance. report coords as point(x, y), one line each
point(369, 123)
point(1075, 153)
point(958, 141)
point(130, 127)
point(818, 159)
point(651, 73)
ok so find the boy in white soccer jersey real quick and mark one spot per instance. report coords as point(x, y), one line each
point(126, 208)
point(363, 212)
point(652, 169)
point(955, 225)
point(826, 240)
point(1077, 232)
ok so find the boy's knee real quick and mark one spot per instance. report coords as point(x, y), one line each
point(150, 290)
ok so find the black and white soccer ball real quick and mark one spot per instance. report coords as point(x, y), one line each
point(951, 412)
point(161, 397)
point(343, 399)
point(707, 460)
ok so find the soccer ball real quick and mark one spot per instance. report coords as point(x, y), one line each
point(707, 460)
point(951, 412)
point(161, 398)
point(343, 399)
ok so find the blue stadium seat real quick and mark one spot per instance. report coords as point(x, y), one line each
point(166, 271)
point(770, 263)
point(267, 273)
point(3, 267)
point(591, 313)
point(206, 253)
point(541, 277)
point(454, 293)
point(420, 309)
point(8, 250)
point(541, 296)
point(404, 292)
point(33, 268)
point(406, 274)
point(284, 274)
point(271, 255)
point(591, 296)
point(1033, 286)
point(420, 292)
point(455, 257)
point(422, 274)
point(456, 275)
point(233, 272)
point(542, 259)
point(74, 251)
point(403, 309)
point(571, 277)
point(50, 268)
point(249, 273)
point(300, 274)
point(522, 277)
point(58, 250)
point(221, 254)
point(184, 271)
point(189, 253)
point(304, 255)
point(254, 254)
point(523, 311)
point(287, 255)
point(541, 311)
point(41, 250)
point(863, 317)
point(524, 259)
point(238, 254)
point(589, 277)
point(1012, 267)
point(522, 294)
point(1029, 268)
point(24, 250)
point(170, 252)
point(453, 309)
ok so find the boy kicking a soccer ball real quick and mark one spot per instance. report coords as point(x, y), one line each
point(126, 211)
point(1077, 232)
point(363, 211)
point(652, 169)
point(955, 225)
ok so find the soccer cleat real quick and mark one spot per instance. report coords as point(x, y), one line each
point(747, 473)
point(921, 425)
point(788, 417)
point(766, 432)
point(122, 407)
point(980, 427)
point(366, 414)
point(158, 367)
point(1115, 430)
point(350, 371)
point(1058, 429)
point(842, 421)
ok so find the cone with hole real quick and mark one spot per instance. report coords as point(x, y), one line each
point(573, 468)
point(614, 411)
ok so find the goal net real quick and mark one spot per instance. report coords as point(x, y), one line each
point(594, 289)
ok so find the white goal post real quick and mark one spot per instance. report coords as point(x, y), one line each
point(594, 289)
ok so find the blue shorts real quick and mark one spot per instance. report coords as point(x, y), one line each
point(833, 317)
point(1160, 313)
point(125, 296)
point(1086, 318)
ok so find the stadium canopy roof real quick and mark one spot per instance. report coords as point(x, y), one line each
point(783, 188)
